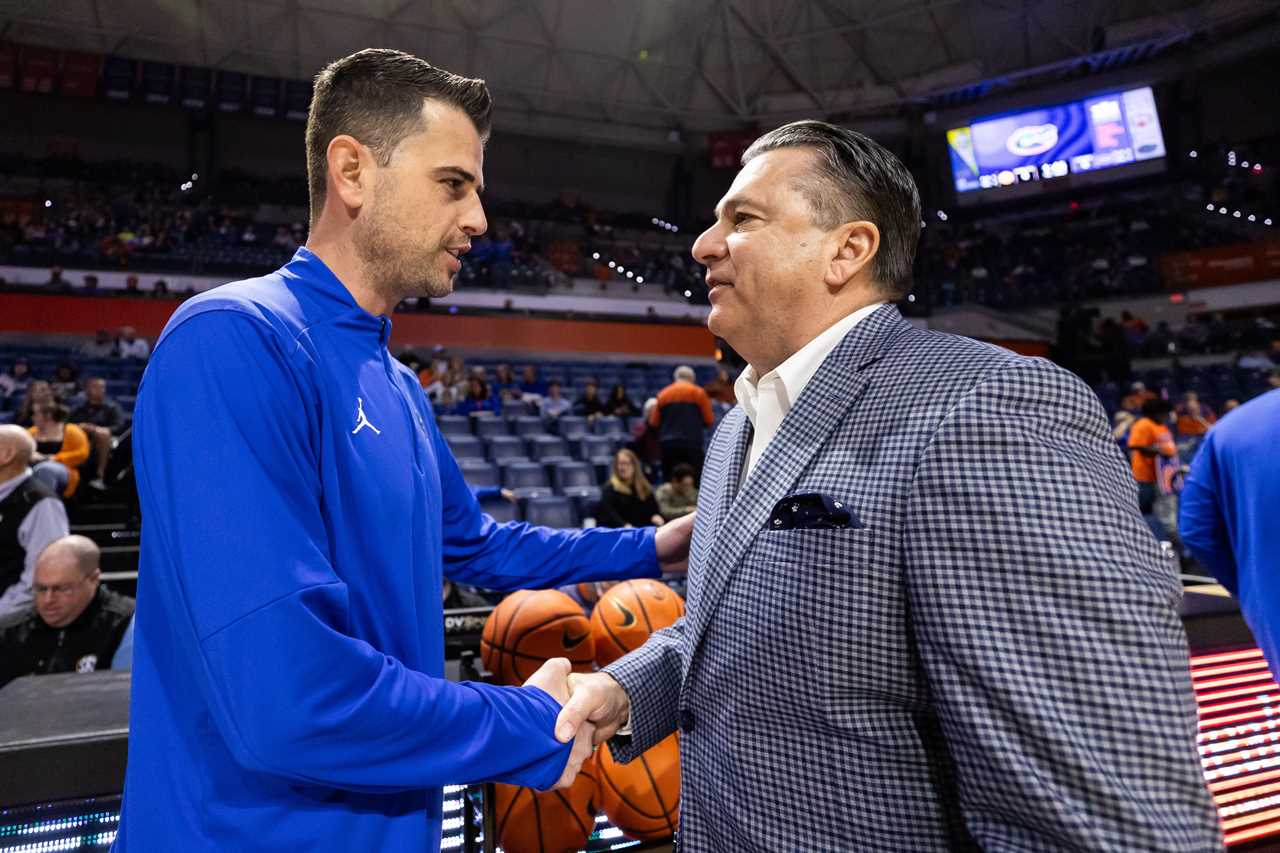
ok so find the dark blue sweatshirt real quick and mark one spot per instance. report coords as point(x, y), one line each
point(299, 510)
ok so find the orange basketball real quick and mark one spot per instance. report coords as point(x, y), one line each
point(590, 592)
point(530, 627)
point(642, 798)
point(627, 614)
point(532, 821)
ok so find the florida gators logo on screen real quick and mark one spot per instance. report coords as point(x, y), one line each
point(1032, 139)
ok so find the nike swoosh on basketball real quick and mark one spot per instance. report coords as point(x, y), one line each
point(628, 618)
point(571, 641)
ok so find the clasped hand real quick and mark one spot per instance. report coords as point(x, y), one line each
point(593, 707)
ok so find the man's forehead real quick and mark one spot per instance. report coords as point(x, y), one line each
point(764, 174)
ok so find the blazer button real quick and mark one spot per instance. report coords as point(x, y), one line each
point(686, 720)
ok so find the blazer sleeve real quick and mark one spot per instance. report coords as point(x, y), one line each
point(1046, 625)
point(651, 676)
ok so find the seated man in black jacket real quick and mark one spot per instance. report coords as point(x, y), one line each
point(75, 625)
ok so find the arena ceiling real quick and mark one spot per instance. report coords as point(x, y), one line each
point(654, 71)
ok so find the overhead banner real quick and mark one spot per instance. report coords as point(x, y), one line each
point(1240, 264)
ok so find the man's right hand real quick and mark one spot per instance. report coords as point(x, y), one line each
point(596, 699)
point(553, 677)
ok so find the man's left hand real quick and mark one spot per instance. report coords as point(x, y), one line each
point(672, 540)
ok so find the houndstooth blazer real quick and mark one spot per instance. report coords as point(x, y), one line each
point(993, 660)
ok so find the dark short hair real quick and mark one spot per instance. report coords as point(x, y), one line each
point(1156, 408)
point(376, 96)
point(681, 471)
point(856, 178)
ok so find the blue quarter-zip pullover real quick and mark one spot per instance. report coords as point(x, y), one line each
point(299, 510)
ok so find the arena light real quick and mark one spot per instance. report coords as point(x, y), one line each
point(1221, 210)
point(621, 269)
point(595, 256)
point(942, 214)
point(1236, 214)
point(1252, 218)
point(1208, 207)
point(1267, 221)
point(688, 294)
point(1192, 154)
point(612, 265)
point(630, 274)
point(639, 279)
point(1244, 164)
point(195, 176)
point(48, 202)
point(911, 297)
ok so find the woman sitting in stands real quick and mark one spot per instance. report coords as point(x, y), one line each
point(61, 448)
point(627, 499)
point(478, 399)
point(620, 404)
point(39, 393)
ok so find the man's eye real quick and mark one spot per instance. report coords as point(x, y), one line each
point(739, 218)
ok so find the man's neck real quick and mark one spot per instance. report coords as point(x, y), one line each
point(341, 258)
point(804, 335)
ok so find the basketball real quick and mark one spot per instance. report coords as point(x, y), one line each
point(627, 614)
point(530, 627)
point(532, 821)
point(642, 798)
point(590, 592)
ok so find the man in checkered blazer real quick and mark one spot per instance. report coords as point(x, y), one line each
point(924, 612)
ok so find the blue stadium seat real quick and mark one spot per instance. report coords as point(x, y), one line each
point(527, 425)
point(454, 424)
point(592, 445)
point(526, 479)
point(608, 425)
point(543, 447)
point(479, 473)
point(489, 427)
point(585, 500)
point(501, 510)
point(505, 447)
point(465, 446)
point(550, 512)
point(571, 426)
point(565, 475)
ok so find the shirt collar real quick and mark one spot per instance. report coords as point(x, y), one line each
point(788, 379)
point(7, 487)
point(307, 268)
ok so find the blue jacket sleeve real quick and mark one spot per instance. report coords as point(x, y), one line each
point(227, 473)
point(483, 553)
point(1200, 520)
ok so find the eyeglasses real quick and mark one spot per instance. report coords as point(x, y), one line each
point(60, 591)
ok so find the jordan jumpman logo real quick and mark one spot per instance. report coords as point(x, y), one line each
point(362, 420)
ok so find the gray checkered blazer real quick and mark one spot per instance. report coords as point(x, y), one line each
point(994, 660)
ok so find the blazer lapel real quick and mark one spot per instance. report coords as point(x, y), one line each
point(821, 408)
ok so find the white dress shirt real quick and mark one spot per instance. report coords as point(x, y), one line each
point(46, 522)
point(767, 400)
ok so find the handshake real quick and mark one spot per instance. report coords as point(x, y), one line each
point(593, 707)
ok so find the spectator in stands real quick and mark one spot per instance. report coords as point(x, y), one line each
point(75, 625)
point(14, 383)
point(620, 404)
point(504, 382)
point(1194, 417)
point(678, 496)
point(530, 384)
point(39, 393)
point(1138, 394)
point(720, 389)
point(1273, 378)
point(31, 516)
point(682, 417)
point(589, 405)
point(1121, 424)
point(627, 499)
point(103, 345)
point(102, 420)
point(1228, 518)
point(1229, 406)
point(66, 380)
point(132, 346)
point(554, 404)
point(61, 448)
point(479, 399)
point(1149, 438)
point(644, 440)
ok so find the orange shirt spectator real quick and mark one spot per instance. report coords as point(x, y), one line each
point(1146, 433)
point(1194, 417)
point(73, 449)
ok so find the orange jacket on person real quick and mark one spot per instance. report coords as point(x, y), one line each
point(74, 453)
point(1148, 433)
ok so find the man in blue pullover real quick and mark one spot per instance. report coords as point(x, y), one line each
point(1228, 513)
point(301, 510)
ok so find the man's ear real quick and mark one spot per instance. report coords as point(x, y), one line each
point(349, 170)
point(857, 243)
